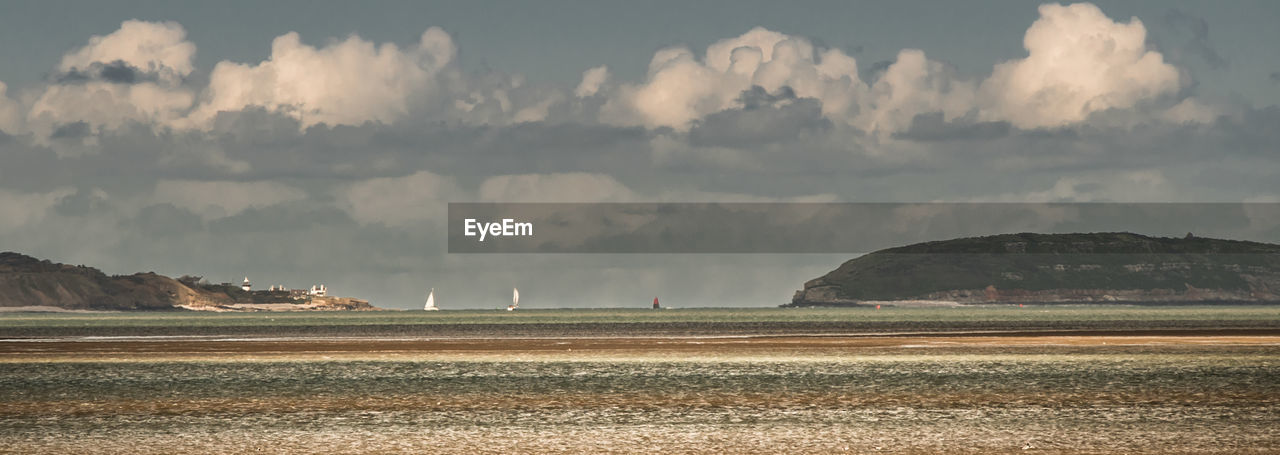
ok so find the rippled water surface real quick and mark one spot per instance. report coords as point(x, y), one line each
point(1210, 399)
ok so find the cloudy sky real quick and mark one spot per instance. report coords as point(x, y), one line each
point(304, 142)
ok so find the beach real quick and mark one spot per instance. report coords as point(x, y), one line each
point(1144, 390)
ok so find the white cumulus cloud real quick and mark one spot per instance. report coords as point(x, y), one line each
point(346, 82)
point(156, 47)
point(913, 85)
point(1079, 61)
point(681, 88)
point(152, 59)
point(592, 80)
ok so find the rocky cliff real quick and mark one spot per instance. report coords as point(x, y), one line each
point(1015, 268)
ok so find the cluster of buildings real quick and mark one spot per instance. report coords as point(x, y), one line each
point(318, 290)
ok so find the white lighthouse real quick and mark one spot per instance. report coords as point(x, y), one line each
point(245, 285)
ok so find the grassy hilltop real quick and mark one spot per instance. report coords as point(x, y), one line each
point(1098, 267)
point(27, 282)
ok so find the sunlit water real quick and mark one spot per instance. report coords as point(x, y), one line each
point(1208, 400)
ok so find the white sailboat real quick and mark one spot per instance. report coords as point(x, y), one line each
point(431, 301)
point(515, 300)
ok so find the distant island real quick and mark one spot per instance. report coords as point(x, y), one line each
point(27, 283)
point(1114, 267)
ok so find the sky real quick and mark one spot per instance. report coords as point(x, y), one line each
point(307, 142)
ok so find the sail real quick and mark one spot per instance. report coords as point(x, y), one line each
point(431, 301)
point(515, 297)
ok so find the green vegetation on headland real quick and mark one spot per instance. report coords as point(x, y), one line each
point(29, 282)
point(1052, 268)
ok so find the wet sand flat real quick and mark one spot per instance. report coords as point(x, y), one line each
point(212, 347)
point(1102, 391)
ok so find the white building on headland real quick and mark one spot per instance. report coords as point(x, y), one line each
point(319, 290)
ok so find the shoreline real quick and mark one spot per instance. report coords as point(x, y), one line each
point(18, 351)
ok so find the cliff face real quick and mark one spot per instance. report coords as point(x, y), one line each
point(1103, 267)
point(29, 282)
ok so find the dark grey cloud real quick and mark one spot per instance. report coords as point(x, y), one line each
point(116, 72)
point(875, 70)
point(121, 73)
point(933, 127)
point(757, 97)
point(276, 148)
point(1275, 77)
point(1252, 134)
point(255, 124)
point(791, 138)
point(766, 118)
point(74, 130)
point(160, 221)
point(789, 148)
point(84, 202)
point(1186, 36)
point(293, 216)
point(90, 182)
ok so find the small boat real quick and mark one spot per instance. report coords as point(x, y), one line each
point(431, 301)
point(515, 300)
point(655, 303)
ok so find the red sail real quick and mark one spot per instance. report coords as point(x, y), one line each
point(655, 302)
